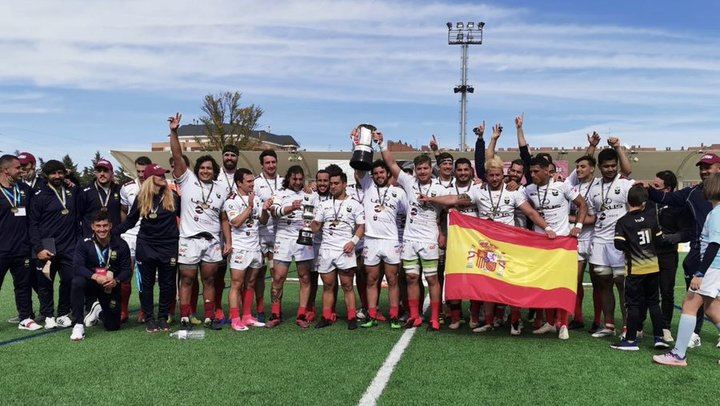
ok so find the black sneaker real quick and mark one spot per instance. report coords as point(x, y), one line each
point(594, 328)
point(323, 323)
point(352, 324)
point(162, 325)
point(576, 325)
point(185, 324)
point(151, 325)
point(213, 324)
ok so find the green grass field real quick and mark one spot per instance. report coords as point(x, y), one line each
point(335, 366)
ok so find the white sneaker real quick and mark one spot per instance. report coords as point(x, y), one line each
point(78, 333)
point(50, 323)
point(454, 325)
point(14, 320)
point(64, 321)
point(545, 328)
point(718, 344)
point(29, 324)
point(606, 332)
point(667, 336)
point(694, 341)
point(564, 334)
point(360, 315)
point(640, 334)
point(483, 329)
point(514, 331)
point(473, 324)
point(93, 315)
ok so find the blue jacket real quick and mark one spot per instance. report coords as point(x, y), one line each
point(692, 198)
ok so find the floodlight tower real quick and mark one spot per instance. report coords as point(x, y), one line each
point(464, 35)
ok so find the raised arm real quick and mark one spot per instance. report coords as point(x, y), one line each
point(433, 144)
point(480, 151)
point(490, 151)
point(593, 141)
point(180, 167)
point(386, 154)
point(625, 166)
point(523, 146)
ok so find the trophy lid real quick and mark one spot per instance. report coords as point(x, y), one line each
point(368, 126)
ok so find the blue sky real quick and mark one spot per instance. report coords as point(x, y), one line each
point(83, 76)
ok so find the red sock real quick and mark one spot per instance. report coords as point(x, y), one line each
point(125, 291)
point(351, 313)
point(185, 310)
point(248, 301)
point(550, 316)
point(194, 297)
point(475, 310)
point(578, 313)
point(234, 313)
point(327, 314)
point(275, 309)
point(219, 288)
point(435, 311)
point(300, 312)
point(489, 317)
point(597, 306)
point(413, 304)
point(514, 315)
point(394, 312)
point(373, 312)
point(562, 318)
point(209, 309)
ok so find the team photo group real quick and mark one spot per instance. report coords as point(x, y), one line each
point(380, 227)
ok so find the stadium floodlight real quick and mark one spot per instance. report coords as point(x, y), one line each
point(464, 35)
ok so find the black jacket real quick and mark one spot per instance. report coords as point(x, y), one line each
point(86, 258)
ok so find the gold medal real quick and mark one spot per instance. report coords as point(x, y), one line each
point(65, 212)
point(152, 216)
point(14, 210)
point(205, 206)
point(104, 209)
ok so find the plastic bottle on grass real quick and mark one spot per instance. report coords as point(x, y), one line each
point(188, 334)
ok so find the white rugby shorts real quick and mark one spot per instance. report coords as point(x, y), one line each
point(583, 250)
point(286, 250)
point(380, 249)
point(710, 285)
point(330, 259)
point(192, 251)
point(243, 259)
point(131, 241)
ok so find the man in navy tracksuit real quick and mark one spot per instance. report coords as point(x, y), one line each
point(103, 195)
point(101, 263)
point(14, 240)
point(54, 220)
point(692, 198)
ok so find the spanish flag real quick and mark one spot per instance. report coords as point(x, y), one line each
point(493, 262)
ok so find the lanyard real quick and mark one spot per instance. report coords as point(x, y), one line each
point(154, 210)
point(604, 195)
point(102, 255)
point(205, 204)
point(339, 209)
point(457, 190)
point(547, 187)
point(32, 185)
point(272, 189)
point(493, 207)
point(587, 192)
point(230, 184)
point(103, 203)
point(450, 183)
point(15, 201)
point(62, 199)
point(382, 200)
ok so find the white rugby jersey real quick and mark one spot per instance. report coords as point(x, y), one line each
point(381, 205)
point(288, 226)
point(339, 219)
point(552, 201)
point(497, 205)
point(128, 194)
point(227, 180)
point(265, 189)
point(200, 205)
point(583, 190)
point(246, 236)
point(456, 190)
point(422, 219)
point(608, 201)
point(317, 237)
point(445, 183)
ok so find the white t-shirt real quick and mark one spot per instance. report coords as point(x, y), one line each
point(608, 201)
point(339, 219)
point(200, 205)
point(445, 183)
point(456, 190)
point(381, 205)
point(497, 205)
point(227, 180)
point(583, 190)
point(246, 236)
point(128, 194)
point(289, 225)
point(552, 201)
point(422, 219)
point(265, 189)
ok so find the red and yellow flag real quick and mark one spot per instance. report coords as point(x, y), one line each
point(493, 262)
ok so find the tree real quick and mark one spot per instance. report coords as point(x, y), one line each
point(226, 122)
point(88, 173)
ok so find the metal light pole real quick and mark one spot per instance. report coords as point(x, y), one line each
point(464, 35)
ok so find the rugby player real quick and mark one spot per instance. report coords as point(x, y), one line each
point(322, 190)
point(287, 209)
point(245, 213)
point(342, 222)
point(230, 153)
point(202, 222)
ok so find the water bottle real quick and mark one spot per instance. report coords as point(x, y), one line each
point(188, 334)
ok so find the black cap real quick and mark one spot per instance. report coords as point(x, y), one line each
point(52, 166)
point(231, 148)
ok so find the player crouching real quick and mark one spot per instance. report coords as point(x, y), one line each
point(342, 221)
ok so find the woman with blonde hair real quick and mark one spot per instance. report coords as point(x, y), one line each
point(157, 244)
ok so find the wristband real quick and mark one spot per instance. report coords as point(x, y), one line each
point(548, 228)
point(355, 240)
point(383, 146)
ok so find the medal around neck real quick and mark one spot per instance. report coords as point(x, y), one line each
point(305, 236)
point(362, 157)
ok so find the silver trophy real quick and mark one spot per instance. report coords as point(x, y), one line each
point(305, 236)
point(362, 157)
